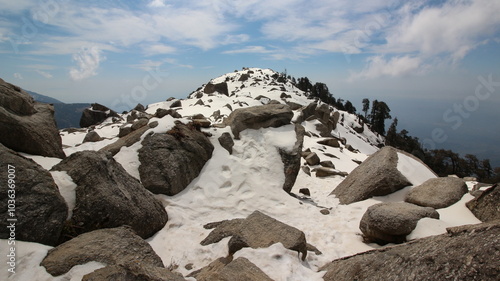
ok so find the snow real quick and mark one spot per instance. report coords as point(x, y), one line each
point(46, 162)
point(413, 170)
point(67, 188)
point(233, 186)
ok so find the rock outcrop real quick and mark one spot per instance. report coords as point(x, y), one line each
point(438, 192)
point(256, 231)
point(391, 222)
point(40, 209)
point(220, 87)
point(27, 126)
point(107, 196)
point(486, 207)
point(465, 253)
point(133, 271)
point(256, 117)
point(376, 176)
point(291, 159)
point(170, 161)
point(226, 141)
point(112, 246)
point(95, 114)
point(227, 269)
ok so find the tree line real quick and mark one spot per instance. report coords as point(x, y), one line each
point(443, 162)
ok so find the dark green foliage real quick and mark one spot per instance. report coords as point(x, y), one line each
point(380, 112)
point(443, 162)
point(366, 107)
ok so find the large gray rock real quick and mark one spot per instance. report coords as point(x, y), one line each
point(226, 141)
point(95, 114)
point(15, 100)
point(465, 253)
point(92, 136)
point(169, 162)
point(27, 126)
point(111, 246)
point(40, 209)
point(227, 269)
point(291, 159)
point(486, 207)
point(438, 192)
point(256, 117)
point(220, 87)
point(376, 176)
point(107, 196)
point(257, 231)
point(392, 222)
point(133, 271)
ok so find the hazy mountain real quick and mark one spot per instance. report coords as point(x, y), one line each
point(67, 115)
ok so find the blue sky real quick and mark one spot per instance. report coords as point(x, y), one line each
point(422, 57)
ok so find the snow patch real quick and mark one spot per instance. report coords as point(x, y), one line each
point(67, 188)
point(416, 172)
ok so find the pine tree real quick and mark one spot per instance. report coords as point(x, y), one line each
point(366, 106)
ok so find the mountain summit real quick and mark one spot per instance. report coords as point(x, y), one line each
point(248, 177)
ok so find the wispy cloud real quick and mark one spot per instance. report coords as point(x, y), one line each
point(378, 66)
point(88, 61)
point(44, 74)
point(18, 75)
point(249, 50)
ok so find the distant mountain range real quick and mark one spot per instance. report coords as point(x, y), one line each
point(67, 115)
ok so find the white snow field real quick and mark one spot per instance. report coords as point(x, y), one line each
point(233, 186)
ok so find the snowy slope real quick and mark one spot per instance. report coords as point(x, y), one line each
point(233, 186)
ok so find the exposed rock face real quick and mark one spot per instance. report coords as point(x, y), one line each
point(95, 115)
point(169, 162)
point(438, 192)
point(226, 269)
point(139, 124)
point(312, 159)
point(326, 172)
point(161, 112)
point(376, 176)
point(392, 222)
point(465, 253)
point(40, 209)
point(92, 136)
point(176, 103)
point(221, 88)
point(227, 142)
point(27, 126)
point(15, 100)
point(127, 140)
point(330, 142)
point(291, 159)
point(257, 231)
point(107, 196)
point(486, 207)
point(256, 117)
point(133, 271)
point(112, 246)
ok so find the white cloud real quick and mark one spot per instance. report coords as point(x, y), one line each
point(249, 50)
point(18, 76)
point(452, 29)
point(158, 49)
point(157, 3)
point(44, 74)
point(378, 66)
point(88, 61)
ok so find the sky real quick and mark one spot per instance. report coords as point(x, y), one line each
point(435, 63)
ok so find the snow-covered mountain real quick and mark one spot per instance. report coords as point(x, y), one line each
point(234, 185)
